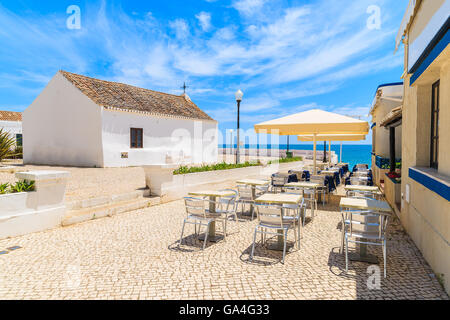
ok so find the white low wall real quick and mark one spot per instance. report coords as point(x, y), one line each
point(27, 212)
point(169, 187)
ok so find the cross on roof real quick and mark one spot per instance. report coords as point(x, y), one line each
point(184, 87)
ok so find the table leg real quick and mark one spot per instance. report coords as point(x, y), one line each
point(279, 245)
point(252, 207)
point(212, 227)
point(362, 255)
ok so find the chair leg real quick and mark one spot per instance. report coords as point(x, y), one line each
point(346, 254)
point(284, 245)
point(224, 226)
point(182, 232)
point(253, 246)
point(384, 257)
point(342, 237)
point(295, 235)
point(299, 233)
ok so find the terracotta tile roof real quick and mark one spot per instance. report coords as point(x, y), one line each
point(10, 116)
point(392, 117)
point(114, 95)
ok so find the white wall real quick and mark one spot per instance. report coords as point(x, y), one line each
point(13, 127)
point(186, 141)
point(62, 127)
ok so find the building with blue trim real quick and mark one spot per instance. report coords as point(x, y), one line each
point(425, 196)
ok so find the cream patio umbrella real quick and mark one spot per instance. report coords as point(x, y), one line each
point(314, 122)
point(331, 137)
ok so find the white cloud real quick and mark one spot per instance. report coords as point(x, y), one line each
point(204, 19)
point(180, 27)
point(248, 7)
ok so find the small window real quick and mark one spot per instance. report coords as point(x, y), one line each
point(137, 138)
point(19, 139)
point(434, 145)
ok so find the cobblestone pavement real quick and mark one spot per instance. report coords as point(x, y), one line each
point(136, 256)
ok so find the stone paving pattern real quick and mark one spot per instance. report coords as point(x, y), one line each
point(135, 255)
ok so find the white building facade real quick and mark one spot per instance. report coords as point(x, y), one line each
point(81, 121)
point(12, 122)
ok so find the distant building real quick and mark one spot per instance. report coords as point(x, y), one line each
point(425, 187)
point(82, 121)
point(12, 122)
point(388, 98)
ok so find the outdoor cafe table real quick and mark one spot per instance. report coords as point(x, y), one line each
point(253, 183)
point(213, 195)
point(279, 199)
point(365, 204)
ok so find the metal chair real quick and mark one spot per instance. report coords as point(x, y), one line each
point(245, 197)
point(227, 207)
point(278, 182)
point(309, 196)
point(260, 190)
point(356, 181)
point(323, 189)
point(270, 217)
point(301, 207)
point(364, 227)
point(198, 215)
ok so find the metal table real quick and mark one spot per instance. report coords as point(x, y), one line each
point(213, 195)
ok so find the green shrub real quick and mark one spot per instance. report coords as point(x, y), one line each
point(285, 160)
point(214, 167)
point(4, 188)
point(7, 145)
point(22, 186)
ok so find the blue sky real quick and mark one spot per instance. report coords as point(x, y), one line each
point(287, 56)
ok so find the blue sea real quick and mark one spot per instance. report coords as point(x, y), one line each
point(351, 153)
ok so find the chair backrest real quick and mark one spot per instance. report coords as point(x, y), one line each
point(262, 189)
point(293, 190)
point(195, 207)
point(317, 179)
point(229, 201)
point(245, 192)
point(367, 223)
point(358, 182)
point(270, 214)
point(361, 173)
point(279, 180)
point(360, 194)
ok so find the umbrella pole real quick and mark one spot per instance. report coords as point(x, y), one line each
point(314, 156)
point(329, 153)
point(341, 153)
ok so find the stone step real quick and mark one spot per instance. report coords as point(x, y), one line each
point(108, 210)
point(105, 200)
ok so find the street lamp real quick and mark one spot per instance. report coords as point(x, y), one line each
point(239, 95)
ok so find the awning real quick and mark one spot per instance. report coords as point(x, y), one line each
point(392, 119)
point(407, 19)
point(313, 122)
point(324, 137)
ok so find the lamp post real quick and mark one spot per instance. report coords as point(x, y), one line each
point(239, 95)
